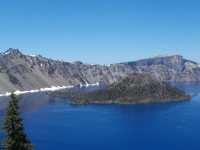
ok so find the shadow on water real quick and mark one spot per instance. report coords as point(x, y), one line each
point(30, 100)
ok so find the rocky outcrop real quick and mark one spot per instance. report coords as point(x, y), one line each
point(169, 68)
point(29, 72)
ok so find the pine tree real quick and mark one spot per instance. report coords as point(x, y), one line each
point(15, 138)
point(1, 148)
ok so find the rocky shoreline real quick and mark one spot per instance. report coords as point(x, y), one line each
point(83, 101)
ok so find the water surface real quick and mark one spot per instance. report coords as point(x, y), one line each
point(51, 123)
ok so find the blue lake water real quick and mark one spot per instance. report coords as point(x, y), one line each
point(51, 123)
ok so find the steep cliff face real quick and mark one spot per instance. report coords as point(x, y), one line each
point(168, 68)
point(29, 72)
point(174, 62)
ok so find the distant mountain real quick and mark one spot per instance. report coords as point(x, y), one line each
point(135, 88)
point(29, 72)
point(168, 68)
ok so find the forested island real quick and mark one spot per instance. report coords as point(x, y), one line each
point(135, 88)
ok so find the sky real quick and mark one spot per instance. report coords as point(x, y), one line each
point(101, 31)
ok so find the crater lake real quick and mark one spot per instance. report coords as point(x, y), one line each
point(52, 123)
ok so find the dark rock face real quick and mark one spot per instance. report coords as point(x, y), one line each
point(30, 72)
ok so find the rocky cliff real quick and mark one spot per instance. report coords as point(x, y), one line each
point(28, 72)
point(168, 68)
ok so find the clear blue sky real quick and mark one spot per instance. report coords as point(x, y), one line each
point(101, 31)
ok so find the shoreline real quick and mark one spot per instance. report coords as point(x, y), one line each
point(86, 102)
point(52, 88)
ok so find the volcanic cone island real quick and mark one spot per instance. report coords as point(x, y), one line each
point(135, 88)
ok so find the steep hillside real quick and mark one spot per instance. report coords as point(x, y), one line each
point(29, 72)
point(26, 72)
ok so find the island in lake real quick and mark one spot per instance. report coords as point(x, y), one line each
point(135, 88)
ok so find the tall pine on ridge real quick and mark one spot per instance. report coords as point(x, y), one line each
point(15, 138)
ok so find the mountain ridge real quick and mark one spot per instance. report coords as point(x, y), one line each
point(20, 71)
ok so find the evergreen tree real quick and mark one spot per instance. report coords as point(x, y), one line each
point(1, 148)
point(15, 138)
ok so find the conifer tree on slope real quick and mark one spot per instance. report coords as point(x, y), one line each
point(15, 138)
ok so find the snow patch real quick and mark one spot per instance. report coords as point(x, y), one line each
point(95, 84)
point(5, 53)
point(59, 60)
point(89, 84)
point(30, 55)
point(46, 58)
point(86, 83)
point(52, 88)
point(104, 65)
